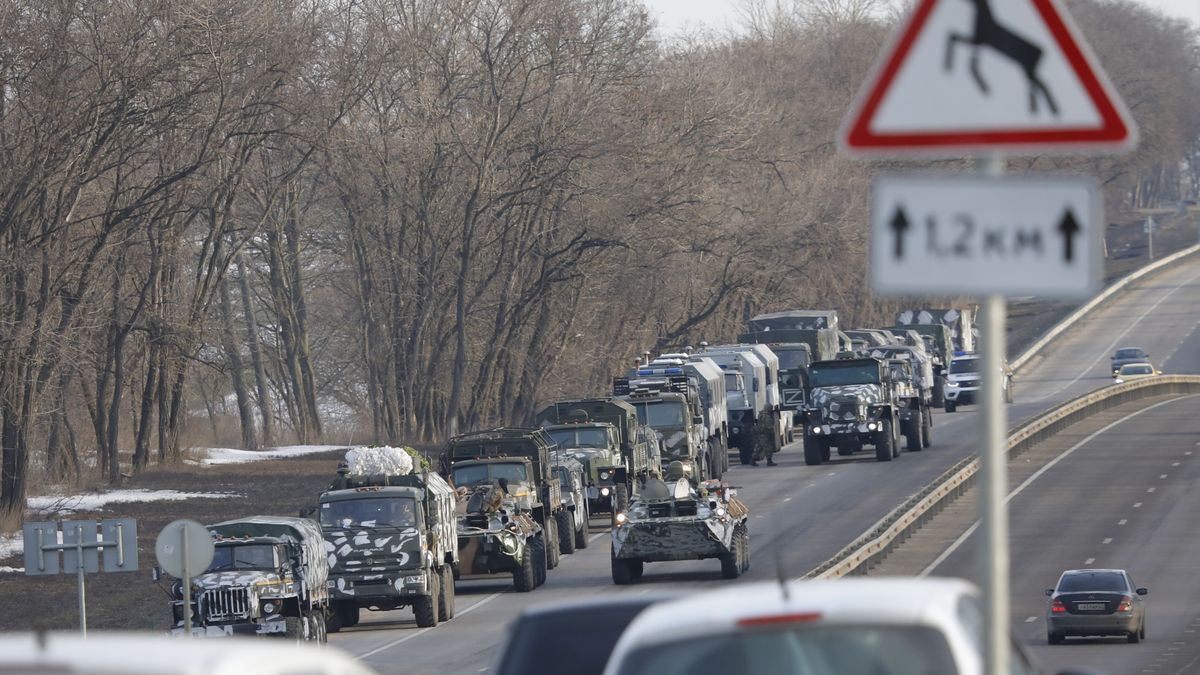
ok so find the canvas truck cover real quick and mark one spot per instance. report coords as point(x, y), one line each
point(534, 444)
point(823, 342)
point(803, 319)
point(959, 321)
point(307, 533)
point(612, 411)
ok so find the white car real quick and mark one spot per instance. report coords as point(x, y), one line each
point(963, 382)
point(884, 626)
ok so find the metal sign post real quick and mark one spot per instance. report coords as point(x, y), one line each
point(183, 546)
point(187, 582)
point(1149, 227)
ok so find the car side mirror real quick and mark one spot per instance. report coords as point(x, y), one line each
point(1143, 591)
point(1049, 592)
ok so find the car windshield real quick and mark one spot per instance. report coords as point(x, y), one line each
point(483, 474)
point(1138, 369)
point(838, 375)
point(370, 512)
point(547, 643)
point(825, 650)
point(960, 366)
point(243, 557)
point(663, 414)
point(1130, 354)
point(588, 437)
point(1084, 582)
point(564, 478)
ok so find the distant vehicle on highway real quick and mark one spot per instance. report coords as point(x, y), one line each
point(963, 382)
point(570, 637)
point(1095, 602)
point(1135, 371)
point(897, 626)
point(156, 654)
point(1126, 355)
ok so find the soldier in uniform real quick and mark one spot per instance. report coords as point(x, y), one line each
point(764, 437)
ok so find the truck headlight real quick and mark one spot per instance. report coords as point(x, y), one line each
point(604, 492)
point(269, 607)
point(817, 431)
point(603, 475)
point(720, 510)
point(872, 426)
point(621, 518)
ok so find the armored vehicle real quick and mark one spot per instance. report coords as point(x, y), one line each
point(573, 529)
point(497, 533)
point(518, 461)
point(707, 381)
point(267, 577)
point(669, 404)
point(616, 450)
point(390, 536)
point(854, 402)
point(676, 521)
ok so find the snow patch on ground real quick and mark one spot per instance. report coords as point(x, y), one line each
point(95, 501)
point(11, 570)
point(214, 456)
point(11, 544)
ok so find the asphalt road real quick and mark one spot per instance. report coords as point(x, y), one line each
point(803, 515)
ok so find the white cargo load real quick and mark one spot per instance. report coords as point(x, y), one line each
point(384, 460)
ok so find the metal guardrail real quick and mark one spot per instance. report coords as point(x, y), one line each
point(869, 548)
point(1062, 326)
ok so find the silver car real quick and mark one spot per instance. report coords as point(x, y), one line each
point(1095, 602)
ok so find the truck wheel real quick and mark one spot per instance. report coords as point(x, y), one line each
point(539, 559)
point(620, 499)
point(425, 607)
point(884, 440)
point(293, 629)
point(731, 561)
point(550, 541)
point(446, 597)
point(916, 442)
point(525, 576)
point(939, 390)
point(814, 450)
point(581, 534)
point(636, 567)
point(745, 452)
point(951, 406)
point(927, 427)
point(714, 460)
point(566, 532)
point(622, 571)
point(745, 539)
point(316, 628)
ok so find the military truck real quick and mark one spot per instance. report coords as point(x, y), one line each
point(670, 404)
point(390, 532)
point(959, 321)
point(854, 402)
point(676, 521)
point(707, 380)
point(267, 577)
point(572, 477)
point(758, 423)
point(940, 348)
point(617, 451)
point(816, 328)
point(518, 461)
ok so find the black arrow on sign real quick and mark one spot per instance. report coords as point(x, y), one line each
point(900, 226)
point(1069, 227)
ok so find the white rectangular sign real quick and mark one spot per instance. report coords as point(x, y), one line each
point(937, 234)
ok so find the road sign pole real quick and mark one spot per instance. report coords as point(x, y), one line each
point(994, 474)
point(82, 590)
point(187, 584)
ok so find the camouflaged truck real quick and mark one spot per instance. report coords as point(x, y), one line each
point(856, 402)
point(390, 538)
point(267, 577)
point(572, 476)
point(676, 521)
point(515, 526)
point(617, 451)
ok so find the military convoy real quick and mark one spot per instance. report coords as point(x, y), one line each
point(390, 536)
point(670, 404)
point(681, 521)
point(268, 576)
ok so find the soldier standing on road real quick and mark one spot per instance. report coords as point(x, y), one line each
point(764, 437)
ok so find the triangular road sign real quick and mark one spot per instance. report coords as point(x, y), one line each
point(966, 76)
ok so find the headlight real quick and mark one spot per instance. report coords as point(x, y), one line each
point(735, 430)
point(603, 475)
point(269, 607)
point(720, 510)
point(816, 431)
point(621, 518)
point(871, 426)
point(604, 492)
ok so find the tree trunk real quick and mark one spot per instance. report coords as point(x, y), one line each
point(266, 407)
point(234, 354)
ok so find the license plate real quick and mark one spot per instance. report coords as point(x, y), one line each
point(1090, 606)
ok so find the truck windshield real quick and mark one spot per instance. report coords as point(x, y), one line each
point(370, 512)
point(840, 375)
point(663, 414)
point(243, 557)
point(580, 438)
point(484, 474)
point(733, 381)
point(791, 359)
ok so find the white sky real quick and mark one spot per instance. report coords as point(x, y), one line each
point(675, 14)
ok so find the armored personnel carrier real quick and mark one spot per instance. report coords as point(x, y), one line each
point(674, 521)
point(496, 535)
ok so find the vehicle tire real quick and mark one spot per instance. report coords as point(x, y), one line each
point(714, 460)
point(1134, 637)
point(731, 562)
point(637, 567)
point(581, 535)
point(350, 615)
point(814, 450)
point(539, 558)
point(1142, 630)
point(293, 627)
point(939, 390)
point(848, 448)
point(551, 541)
point(1054, 639)
point(825, 455)
point(620, 499)
point(745, 452)
point(884, 442)
point(446, 597)
point(916, 441)
point(334, 624)
point(927, 427)
point(951, 406)
point(745, 547)
point(525, 577)
point(566, 532)
point(622, 572)
point(425, 607)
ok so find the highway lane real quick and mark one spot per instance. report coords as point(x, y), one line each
point(1126, 497)
point(802, 515)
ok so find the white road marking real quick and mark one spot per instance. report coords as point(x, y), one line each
point(423, 631)
point(1174, 463)
point(1031, 619)
point(1037, 474)
point(1150, 489)
point(1122, 521)
point(787, 499)
point(1107, 540)
point(596, 536)
point(1089, 561)
point(1163, 476)
point(1137, 505)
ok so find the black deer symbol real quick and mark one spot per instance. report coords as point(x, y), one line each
point(989, 33)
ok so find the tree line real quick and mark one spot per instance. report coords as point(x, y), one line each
point(400, 219)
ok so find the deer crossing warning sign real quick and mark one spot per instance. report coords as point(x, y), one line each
point(981, 75)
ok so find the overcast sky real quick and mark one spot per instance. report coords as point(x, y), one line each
point(675, 14)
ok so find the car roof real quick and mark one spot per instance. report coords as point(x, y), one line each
point(1091, 570)
point(843, 601)
point(609, 600)
point(102, 653)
